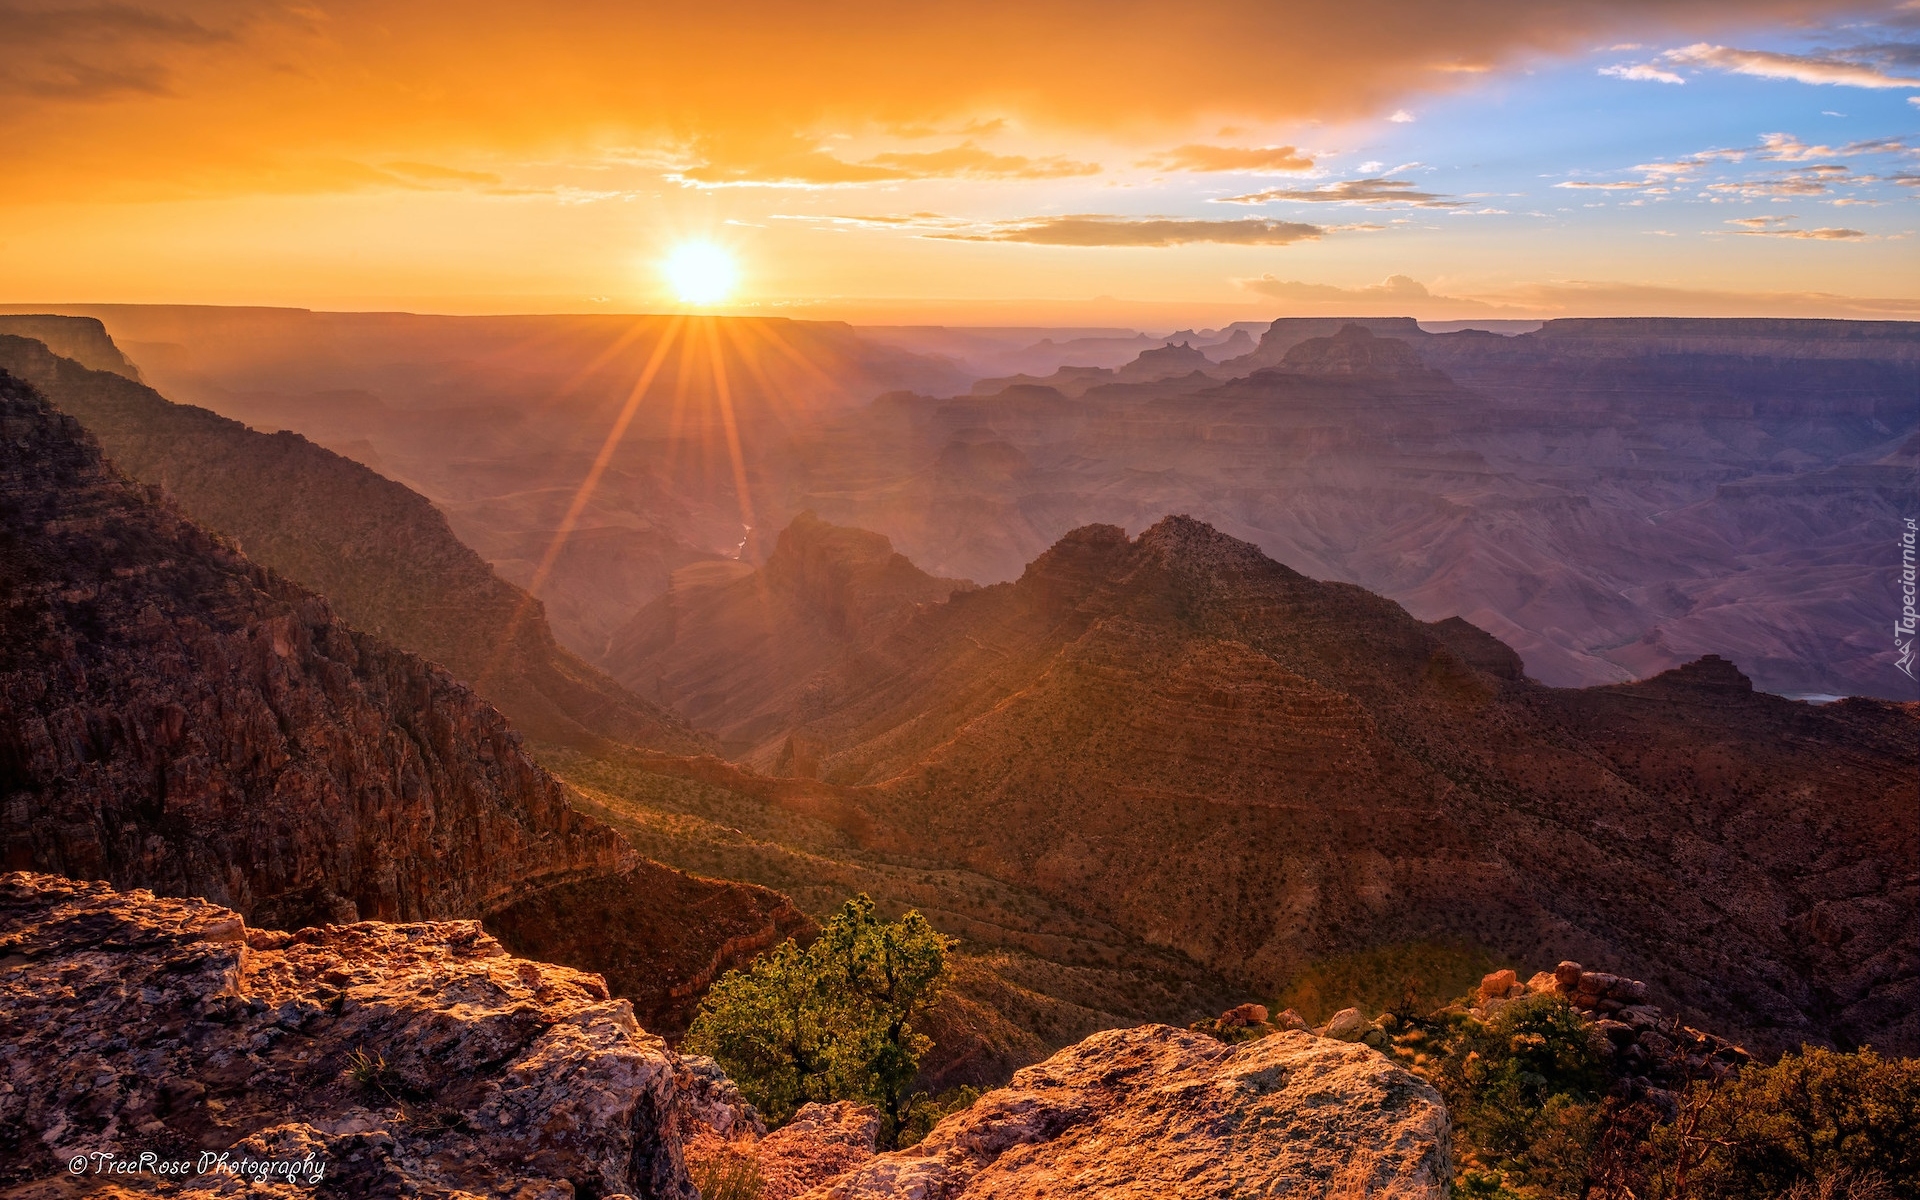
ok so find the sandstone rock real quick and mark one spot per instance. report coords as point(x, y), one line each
point(406, 1059)
point(1498, 984)
point(821, 1142)
point(1154, 1112)
point(1567, 975)
point(707, 1097)
point(1245, 1014)
point(1347, 1025)
point(1289, 1019)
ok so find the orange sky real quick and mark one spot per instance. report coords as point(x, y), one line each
point(859, 158)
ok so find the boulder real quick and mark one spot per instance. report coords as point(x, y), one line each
point(821, 1142)
point(1498, 984)
point(405, 1059)
point(1289, 1114)
point(1567, 975)
point(1245, 1014)
point(1347, 1025)
point(1289, 1019)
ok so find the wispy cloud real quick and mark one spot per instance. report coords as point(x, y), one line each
point(1644, 72)
point(1093, 229)
point(1870, 66)
point(803, 163)
point(969, 161)
point(1376, 191)
point(1781, 227)
point(1253, 159)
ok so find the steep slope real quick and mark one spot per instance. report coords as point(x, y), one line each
point(82, 339)
point(734, 648)
point(378, 551)
point(173, 716)
point(1224, 757)
point(498, 419)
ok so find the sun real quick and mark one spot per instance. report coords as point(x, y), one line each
point(701, 273)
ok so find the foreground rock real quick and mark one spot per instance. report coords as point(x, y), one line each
point(1157, 1112)
point(398, 1059)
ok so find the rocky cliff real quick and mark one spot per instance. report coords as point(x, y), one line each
point(82, 339)
point(380, 552)
point(173, 716)
point(361, 1059)
point(1221, 756)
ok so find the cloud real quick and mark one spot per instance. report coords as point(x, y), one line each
point(1256, 159)
point(1843, 71)
point(428, 174)
point(798, 162)
point(95, 52)
point(1401, 117)
point(1099, 230)
point(968, 161)
point(1396, 294)
point(496, 81)
point(1778, 227)
point(1353, 191)
point(1645, 72)
point(1401, 295)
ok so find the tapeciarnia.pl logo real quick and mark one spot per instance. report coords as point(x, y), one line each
point(1903, 629)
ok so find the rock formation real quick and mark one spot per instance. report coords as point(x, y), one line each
point(1610, 498)
point(1177, 735)
point(378, 551)
point(174, 717)
point(373, 1059)
point(733, 648)
point(1153, 1112)
point(82, 339)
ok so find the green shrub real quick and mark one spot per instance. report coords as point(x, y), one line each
point(1817, 1123)
point(1525, 1092)
point(836, 1021)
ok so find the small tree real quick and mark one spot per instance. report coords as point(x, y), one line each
point(836, 1021)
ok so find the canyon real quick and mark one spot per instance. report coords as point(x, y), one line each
point(1181, 738)
point(176, 717)
point(1612, 498)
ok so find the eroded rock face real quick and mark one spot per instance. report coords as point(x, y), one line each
point(405, 1059)
point(1156, 1112)
point(380, 552)
point(174, 717)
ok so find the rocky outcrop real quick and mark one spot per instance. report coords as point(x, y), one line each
point(369, 1059)
point(82, 339)
point(174, 717)
point(1355, 351)
point(381, 553)
point(1154, 1111)
point(821, 1143)
point(1654, 1053)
